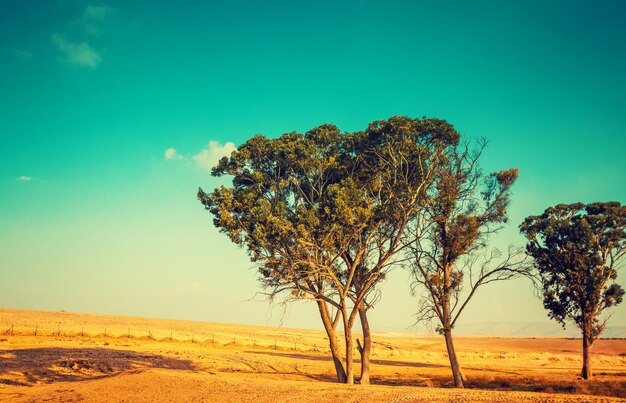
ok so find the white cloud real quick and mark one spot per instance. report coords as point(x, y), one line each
point(80, 54)
point(95, 19)
point(171, 154)
point(24, 178)
point(212, 153)
point(94, 12)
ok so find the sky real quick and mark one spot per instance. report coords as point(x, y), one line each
point(113, 112)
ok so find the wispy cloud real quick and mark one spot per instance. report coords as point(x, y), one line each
point(77, 53)
point(94, 18)
point(209, 156)
point(97, 12)
point(171, 154)
point(23, 54)
point(24, 178)
point(33, 289)
point(197, 286)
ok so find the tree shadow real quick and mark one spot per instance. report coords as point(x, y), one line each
point(405, 364)
point(26, 367)
point(356, 360)
point(293, 355)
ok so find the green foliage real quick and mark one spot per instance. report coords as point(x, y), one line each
point(278, 205)
point(314, 209)
point(459, 212)
point(325, 214)
point(577, 249)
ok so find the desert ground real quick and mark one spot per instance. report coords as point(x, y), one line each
point(61, 356)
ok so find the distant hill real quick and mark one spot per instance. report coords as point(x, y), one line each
point(530, 329)
point(509, 329)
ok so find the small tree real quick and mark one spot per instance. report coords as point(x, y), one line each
point(450, 232)
point(577, 250)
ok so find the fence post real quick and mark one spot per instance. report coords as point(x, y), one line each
point(36, 329)
point(59, 329)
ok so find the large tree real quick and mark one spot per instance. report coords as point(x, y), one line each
point(448, 241)
point(577, 250)
point(276, 210)
point(395, 162)
point(324, 213)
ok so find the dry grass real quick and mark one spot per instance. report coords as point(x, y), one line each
point(79, 359)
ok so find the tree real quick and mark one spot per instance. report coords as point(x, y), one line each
point(461, 210)
point(394, 162)
point(323, 213)
point(577, 250)
point(275, 209)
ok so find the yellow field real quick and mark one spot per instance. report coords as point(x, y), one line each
point(70, 356)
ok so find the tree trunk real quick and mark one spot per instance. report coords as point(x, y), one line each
point(586, 371)
point(366, 348)
point(347, 328)
point(332, 341)
point(459, 379)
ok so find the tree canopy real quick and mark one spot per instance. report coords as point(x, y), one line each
point(462, 208)
point(324, 213)
point(577, 250)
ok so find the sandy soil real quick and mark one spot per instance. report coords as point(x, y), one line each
point(58, 356)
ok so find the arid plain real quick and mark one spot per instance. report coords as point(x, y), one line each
point(60, 356)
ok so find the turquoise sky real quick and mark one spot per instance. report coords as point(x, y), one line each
point(111, 113)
